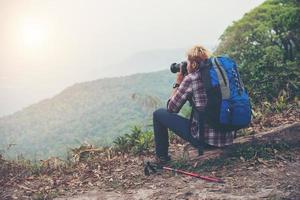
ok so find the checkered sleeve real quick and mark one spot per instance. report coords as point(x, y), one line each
point(180, 97)
point(200, 98)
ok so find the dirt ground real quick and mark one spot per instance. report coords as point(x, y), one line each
point(122, 177)
point(259, 178)
point(272, 179)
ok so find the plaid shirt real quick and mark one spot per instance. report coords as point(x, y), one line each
point(192, 87)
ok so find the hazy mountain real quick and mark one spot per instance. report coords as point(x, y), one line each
point(145, 61)
point(15, 95)
point(95, 111)
point(148, 61)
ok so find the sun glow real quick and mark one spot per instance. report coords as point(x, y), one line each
point(34, 34)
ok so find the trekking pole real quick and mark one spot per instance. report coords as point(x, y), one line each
point(207, 178)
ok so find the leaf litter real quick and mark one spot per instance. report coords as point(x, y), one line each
point(111, 174)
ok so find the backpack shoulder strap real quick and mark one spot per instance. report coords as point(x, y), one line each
point(222, 77)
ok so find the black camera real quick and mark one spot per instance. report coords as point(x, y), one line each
point(175, 67)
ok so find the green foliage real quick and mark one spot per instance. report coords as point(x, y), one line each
point(134, 136)
point(280, 104)
point(265, 44)
point(143, 143)
point(136, 142)
point(121, 144)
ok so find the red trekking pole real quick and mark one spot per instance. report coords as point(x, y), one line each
point(207, 178)
point(152, 168)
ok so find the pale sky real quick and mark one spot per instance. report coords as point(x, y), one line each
point(47, 45)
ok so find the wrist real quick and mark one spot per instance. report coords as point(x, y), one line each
point(176, 85)
point(179, 78)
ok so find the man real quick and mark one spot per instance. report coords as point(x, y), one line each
point(187, 87)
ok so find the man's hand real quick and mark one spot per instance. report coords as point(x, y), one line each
point(179, 77)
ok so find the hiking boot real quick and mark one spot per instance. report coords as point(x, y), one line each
point(156, 165)
point(162, 160)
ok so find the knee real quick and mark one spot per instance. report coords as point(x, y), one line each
point(159, 112)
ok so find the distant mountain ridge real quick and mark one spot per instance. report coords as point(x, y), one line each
point(151, 60)
point(95, 112)
point(33, 91)
point(145, 61)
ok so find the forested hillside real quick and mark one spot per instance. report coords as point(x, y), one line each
point(94, 112)
point(266, 45)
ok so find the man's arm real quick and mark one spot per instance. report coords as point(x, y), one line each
point(174, 92)
point(179, 95)
point(179, 79)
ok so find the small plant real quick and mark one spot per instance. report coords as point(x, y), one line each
point(136, 142)
point(134, 136)
point(143, 143)
point(281, 104)
point(121, 144)
point(266, 107)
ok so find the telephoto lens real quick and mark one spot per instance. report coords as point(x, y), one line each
point(175, 67)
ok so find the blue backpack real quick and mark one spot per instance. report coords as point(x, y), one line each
point(228, 106)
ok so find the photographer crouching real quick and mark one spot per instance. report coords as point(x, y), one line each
point(187, 87)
